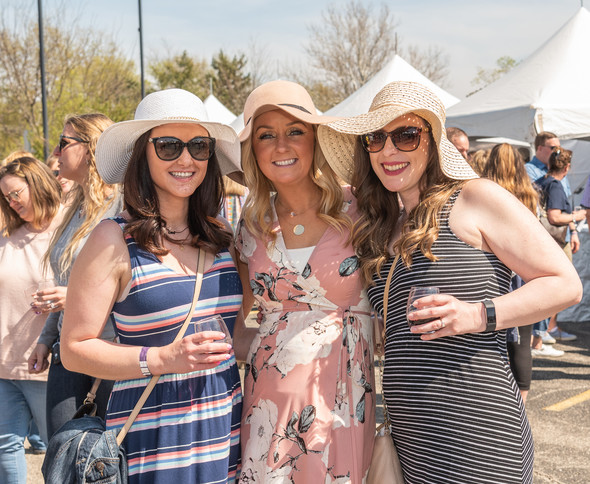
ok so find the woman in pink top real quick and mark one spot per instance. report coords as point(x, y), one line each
point(309, 395)
point(30, 206)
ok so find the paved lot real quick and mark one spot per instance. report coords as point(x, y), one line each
point(562, 435)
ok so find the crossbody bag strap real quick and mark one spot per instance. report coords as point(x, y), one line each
point(148, 389)
point(383, 336)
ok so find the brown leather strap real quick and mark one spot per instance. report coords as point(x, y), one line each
point(146, 393)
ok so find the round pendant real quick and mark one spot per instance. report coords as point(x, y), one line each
point(298, 229)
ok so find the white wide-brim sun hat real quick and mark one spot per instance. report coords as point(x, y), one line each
point(338, 139)
point(170, 106)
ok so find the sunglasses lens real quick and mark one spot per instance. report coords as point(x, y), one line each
point(374, 142)
point(406, 139)
point(168, 149)
point(201, 148)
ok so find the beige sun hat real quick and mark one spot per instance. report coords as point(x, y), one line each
point(338, 139)
point(288, 96)
point(114, 147)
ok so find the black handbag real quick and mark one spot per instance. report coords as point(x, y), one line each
point(82, 451)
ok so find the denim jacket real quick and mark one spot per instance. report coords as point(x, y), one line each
point(83, 452)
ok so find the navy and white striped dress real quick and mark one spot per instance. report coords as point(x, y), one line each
point(189, 428)
point(455, 408)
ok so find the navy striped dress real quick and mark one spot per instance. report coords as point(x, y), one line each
point(188, 431)
point(455, 408)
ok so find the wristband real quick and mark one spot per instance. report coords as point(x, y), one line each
point(143, 366)
point(490, 315)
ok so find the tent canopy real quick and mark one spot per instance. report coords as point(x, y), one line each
point(395, 70)
point(548, 91)
point(217, 112)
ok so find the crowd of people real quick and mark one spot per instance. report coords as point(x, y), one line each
point(316, 222)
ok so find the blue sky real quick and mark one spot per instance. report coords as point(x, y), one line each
point(473, 33)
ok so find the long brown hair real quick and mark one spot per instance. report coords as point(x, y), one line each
point(147, 225)
point(505, 166)
point(381, 212)
point(44, 190)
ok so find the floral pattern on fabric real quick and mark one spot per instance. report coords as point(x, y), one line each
point(309, 399)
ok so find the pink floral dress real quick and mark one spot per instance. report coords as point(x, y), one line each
point(309, 394)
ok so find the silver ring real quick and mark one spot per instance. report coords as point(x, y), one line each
point(52, 306)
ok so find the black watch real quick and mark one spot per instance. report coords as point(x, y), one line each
point(490, 315)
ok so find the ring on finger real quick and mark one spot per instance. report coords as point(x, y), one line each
point(442, 323)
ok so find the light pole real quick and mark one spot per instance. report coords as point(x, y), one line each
point(43, 86)
point(140, 50)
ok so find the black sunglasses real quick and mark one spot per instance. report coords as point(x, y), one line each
point(406, 138)
point(63, 142)
point(169, 148)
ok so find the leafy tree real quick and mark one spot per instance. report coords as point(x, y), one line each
point(183, 72)
point(486, 76)
point(231, 84)
point(85, 72)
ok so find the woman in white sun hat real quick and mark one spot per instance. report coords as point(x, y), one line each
point(309, 395)
point(455, 409)
point(141, 268)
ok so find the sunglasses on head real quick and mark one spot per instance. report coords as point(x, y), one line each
point(169, 148)
point(14, 196)
point(63, 142)
point(405, 138)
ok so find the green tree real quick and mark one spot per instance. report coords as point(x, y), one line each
point(231, 85)
point(183, 72)
point(85, 72)
point(487, 76)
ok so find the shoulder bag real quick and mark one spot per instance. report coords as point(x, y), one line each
point(385, 465)
point(82, 451)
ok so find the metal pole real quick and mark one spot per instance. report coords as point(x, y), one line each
point(141, 50)
point(43, 86)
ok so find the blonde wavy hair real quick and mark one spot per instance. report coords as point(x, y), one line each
point(506, 167)
point(381, 210)
point(256, 211)
point(92, 198)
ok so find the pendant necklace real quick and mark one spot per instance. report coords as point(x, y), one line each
point(173, 232)
point(299, 229)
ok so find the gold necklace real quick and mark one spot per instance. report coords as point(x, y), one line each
point(298, 229)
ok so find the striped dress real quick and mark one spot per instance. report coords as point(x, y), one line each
point(188, 431)
point(455, 408)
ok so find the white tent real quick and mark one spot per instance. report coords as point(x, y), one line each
point(238, 123)
point(395, 70)
point(218, 112)
point(548, 91)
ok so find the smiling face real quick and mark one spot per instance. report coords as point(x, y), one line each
point(401, 171)
point(179, 178)
point(24, 205)
point(284, 147)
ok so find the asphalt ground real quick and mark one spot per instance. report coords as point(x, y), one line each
point(558, 409)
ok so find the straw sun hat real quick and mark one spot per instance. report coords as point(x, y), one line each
point(114, 147)
point(338, 138)
point(285, 95)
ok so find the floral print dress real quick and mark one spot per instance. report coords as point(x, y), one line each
point(309, 394)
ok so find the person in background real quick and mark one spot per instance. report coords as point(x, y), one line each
point(447, 382)
point(235, 197)
point(31, 210)
point(585, 203)
point(506, 167)
point(478, 160)
point(547, 332)
point(460, 140)
point(309, 392)
point(66, 185)
point(559, 213)
point(88, 202)
point(141, 268)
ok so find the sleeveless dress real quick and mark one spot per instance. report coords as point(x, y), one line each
point(456, 412)
point(188, 431)
point(309, 399)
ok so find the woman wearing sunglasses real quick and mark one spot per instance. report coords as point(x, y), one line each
point(87, 203)
point(141, 268)
point(31, 211)
point(456, 412)
point(309, 397)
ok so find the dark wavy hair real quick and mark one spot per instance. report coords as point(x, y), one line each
point(147, 225)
